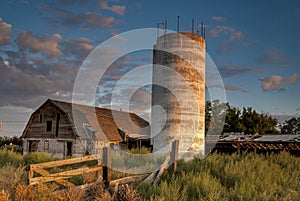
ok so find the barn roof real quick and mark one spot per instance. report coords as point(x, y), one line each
point(107, 124)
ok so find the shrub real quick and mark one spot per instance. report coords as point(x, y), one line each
point(37, 157)
point(10, 158)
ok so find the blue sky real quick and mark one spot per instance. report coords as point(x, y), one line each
point(254, 44)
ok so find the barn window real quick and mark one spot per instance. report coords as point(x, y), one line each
point(41, 118)
point(48, 126)
point(46, 145)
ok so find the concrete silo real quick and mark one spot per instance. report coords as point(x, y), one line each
point(178, 92)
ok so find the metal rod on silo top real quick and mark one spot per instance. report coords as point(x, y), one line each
point(178, 24)
point(157, 30)
point(192, 25)
point(165, 27)
point(106, 165)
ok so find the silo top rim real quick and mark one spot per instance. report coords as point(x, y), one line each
point(192, 36)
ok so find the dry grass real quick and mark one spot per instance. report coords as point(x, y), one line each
point(4, 195)
point(126, 193)
point(13, 185)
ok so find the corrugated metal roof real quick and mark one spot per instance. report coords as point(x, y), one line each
point(263, 138)
point(277, 138)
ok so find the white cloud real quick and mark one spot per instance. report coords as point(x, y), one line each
point(273, 57)
point(47, 44)
point(5, 32)
point(218, 18)
point(88, 20)
point(234, 36)
point(77, 47)
point(103, 4)
point(216, 31)
point(229, 88)
point(274, 82)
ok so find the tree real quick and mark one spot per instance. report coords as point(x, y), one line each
point(233, 120)
point(291, 126)
point(207, 115)
point(215, 114)
point(268, 124)
point(248, 120)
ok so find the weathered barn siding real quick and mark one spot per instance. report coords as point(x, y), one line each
point(54, 140)
point(38, 123)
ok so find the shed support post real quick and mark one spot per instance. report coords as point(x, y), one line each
point(106, 164)
point(174, 154)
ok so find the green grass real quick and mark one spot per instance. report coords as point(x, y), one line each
point(12, 158)
point(235, 177)
point(230, 177)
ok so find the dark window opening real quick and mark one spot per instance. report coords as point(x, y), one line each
point(48, 126)
point(41, 118)
point(32, 146)
point(69, 148)
point(57, 124)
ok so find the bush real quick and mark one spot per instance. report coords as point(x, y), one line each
point(37, 157)
point(11, 158)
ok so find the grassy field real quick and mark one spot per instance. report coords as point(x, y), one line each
point(237, 177)
point(230, 177)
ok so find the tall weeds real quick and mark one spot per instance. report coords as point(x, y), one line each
point(230, 177)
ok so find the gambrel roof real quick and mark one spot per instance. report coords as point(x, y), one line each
point(106, 124)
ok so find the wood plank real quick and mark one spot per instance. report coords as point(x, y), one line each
point(128, 179)
point(30, 175)
point(42, 172)
point(63, 175)
point(62, 162)
point(64, 183)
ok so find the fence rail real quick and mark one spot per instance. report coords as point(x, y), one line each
point(103, 166)
point(60, 177)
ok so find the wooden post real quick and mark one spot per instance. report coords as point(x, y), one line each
point(174, 154)
point(106, 165)
point(30, 174)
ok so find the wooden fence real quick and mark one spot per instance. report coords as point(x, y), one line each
point(60, 177)
point(43, 175)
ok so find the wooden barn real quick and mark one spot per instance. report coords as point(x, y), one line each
point(64, 129)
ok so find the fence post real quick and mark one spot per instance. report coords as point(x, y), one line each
point(174, 154)
point(106, 165)
point(30, 174)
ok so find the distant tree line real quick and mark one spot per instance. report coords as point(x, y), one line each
point(246, 120)
point(10, 140)
point(291, 126)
